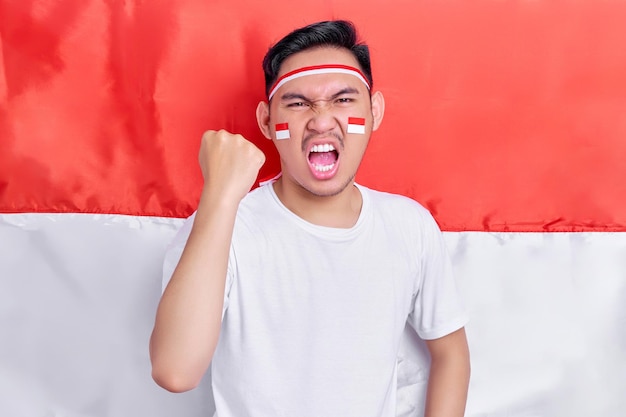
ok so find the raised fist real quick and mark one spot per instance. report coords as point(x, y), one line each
point(229, 162)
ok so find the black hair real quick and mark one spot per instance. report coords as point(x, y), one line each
point(333, 33)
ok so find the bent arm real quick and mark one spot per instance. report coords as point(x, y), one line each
point(449, 375)
point(189, 315)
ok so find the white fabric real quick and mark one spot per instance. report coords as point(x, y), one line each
point(315, 315)
point(78, 295)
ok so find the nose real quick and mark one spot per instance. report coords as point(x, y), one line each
point(322, 117)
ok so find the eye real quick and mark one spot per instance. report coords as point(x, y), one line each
point(344, 100)
point(298, 104)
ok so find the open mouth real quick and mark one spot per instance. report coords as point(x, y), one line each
point(323, 158)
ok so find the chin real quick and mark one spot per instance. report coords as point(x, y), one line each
point(328, 188)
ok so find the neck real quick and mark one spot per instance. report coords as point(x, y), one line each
point(340, 211)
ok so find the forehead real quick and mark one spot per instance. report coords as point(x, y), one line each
point(319, 83)
point(318, 56)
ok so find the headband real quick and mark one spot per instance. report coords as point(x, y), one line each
point(315, 70)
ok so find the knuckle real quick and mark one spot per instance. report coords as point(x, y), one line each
point(207, 134)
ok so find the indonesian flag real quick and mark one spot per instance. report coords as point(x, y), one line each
point(514, 143)
point(356, 125)
point(282, 131)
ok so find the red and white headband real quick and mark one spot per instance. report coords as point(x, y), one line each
point(315, 70)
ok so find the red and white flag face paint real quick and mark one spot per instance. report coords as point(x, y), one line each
point(282, 131)
point(356, 125)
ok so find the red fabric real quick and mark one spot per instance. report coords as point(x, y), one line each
point(503, 116)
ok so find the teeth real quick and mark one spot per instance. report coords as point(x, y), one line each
point(324, 168)
point(327, 147)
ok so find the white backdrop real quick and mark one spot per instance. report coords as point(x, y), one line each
point(78, 295)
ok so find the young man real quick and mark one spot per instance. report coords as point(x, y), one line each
point(298, 292)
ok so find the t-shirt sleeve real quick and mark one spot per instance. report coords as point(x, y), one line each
point(174, 252)
point(437, 307)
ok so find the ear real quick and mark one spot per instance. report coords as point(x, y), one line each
point(263, 119)
point(378, 109)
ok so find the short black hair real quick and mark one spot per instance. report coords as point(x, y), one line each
point(333, 33)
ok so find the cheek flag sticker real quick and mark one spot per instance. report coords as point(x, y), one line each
point(282, 131)
point(356, 125)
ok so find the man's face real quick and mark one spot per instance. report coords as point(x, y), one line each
point(321, 156)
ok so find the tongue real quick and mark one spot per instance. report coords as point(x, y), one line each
point(322, 158)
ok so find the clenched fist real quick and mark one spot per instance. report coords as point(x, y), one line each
point(229, 162)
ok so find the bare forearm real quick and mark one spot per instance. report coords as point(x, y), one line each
point(189, 315)
point(449, 380)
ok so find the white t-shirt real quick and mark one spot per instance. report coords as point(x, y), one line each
point(314, 316)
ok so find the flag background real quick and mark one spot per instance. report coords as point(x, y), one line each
point(505, 118)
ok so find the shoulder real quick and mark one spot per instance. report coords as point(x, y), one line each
point(395, 204)
point(255, 202)
point(257, 194)
point(410, 221)
point(258, 211)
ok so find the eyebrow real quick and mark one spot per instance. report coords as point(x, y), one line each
point(294, 96)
